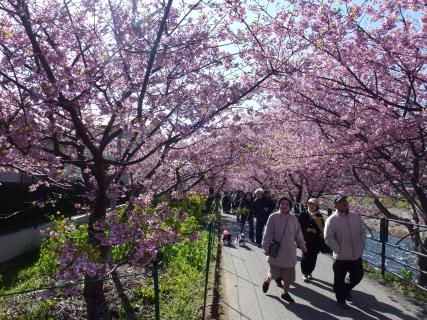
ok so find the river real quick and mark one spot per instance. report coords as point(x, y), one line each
point(399, 255)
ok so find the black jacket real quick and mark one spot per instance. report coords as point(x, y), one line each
point(313, 240)
point(260, 204)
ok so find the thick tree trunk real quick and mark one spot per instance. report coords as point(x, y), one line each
point(209, 200)
point(93, 288)
point(422, 263)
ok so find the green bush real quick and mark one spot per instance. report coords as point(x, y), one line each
point(181, 280)
point(194, 205)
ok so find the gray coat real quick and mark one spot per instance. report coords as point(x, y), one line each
point(292, 236)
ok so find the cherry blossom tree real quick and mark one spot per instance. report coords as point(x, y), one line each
point(362, 84)
point(103, 94)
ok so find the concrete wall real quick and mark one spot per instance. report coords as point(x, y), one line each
point(14, 244)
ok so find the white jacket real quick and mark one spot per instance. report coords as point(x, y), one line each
point(345, 234)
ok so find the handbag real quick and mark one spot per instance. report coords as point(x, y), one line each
point(273, 248)
point(274, 245)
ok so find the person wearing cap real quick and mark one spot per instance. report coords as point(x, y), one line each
point(345, 234)
point(312, 225)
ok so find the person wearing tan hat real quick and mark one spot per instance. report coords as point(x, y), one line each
point(312, 225)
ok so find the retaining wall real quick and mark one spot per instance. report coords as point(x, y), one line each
point(15, 244)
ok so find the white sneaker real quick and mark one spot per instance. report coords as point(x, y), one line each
point(305, 278)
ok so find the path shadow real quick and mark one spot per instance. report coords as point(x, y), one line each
point(130, 314)
point(324, 285)
point(370, 304)
point(304, 311)
point(364, 307)
point(318, 300)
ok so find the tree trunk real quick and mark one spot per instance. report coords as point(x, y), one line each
point(209, 200)
point(422, 263)
point(93, 288)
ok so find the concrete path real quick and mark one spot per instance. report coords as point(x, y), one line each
point(244, 269)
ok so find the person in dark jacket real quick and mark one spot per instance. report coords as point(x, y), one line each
point(312, 225)
point(262, 208)
point(237, 204)
point(226, 203)
point(247, 214)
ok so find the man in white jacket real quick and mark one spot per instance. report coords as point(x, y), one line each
point(345, 234)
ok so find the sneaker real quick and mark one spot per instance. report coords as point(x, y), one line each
point(279, 283)
point(310, 277)
point(343, 305)
point(348, 296)
point(265, 286)
point(287, 297)
point(305, 278)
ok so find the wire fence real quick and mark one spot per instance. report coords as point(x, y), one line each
point(153, 272)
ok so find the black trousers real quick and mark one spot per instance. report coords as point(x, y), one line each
point(250, 221)
point(259, 227)
point(341, 267)
point(308, 261)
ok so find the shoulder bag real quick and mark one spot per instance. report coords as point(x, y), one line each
point(274, 245)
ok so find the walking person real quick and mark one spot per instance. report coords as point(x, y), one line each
point(285, 228)
point(247, 215)
point(312, 226)
point(345, 234)
point(261, 209)
point(237, 203)
point(226, 202)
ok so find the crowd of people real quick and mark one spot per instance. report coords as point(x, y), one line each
point(342, 233)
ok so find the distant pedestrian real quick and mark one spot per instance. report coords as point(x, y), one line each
point(247, 215)
point(285, 228)
point(262, 208)
point(237, 203)
point(226, 202)
point(312, 226)
point(345, 234)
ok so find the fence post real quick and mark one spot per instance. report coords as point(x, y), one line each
point(156, 290)
point(383, 239)
point(208, 260)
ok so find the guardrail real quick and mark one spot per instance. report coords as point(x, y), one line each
point(385, 243)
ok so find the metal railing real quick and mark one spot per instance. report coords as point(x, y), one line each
point(385, 242)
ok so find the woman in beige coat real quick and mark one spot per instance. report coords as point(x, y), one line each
point(284, 227)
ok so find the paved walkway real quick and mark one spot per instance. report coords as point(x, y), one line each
point(243, 271)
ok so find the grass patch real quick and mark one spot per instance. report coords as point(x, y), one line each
point(181, 281)
point(21, 273)
point(401, 204)
point(412, 292)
